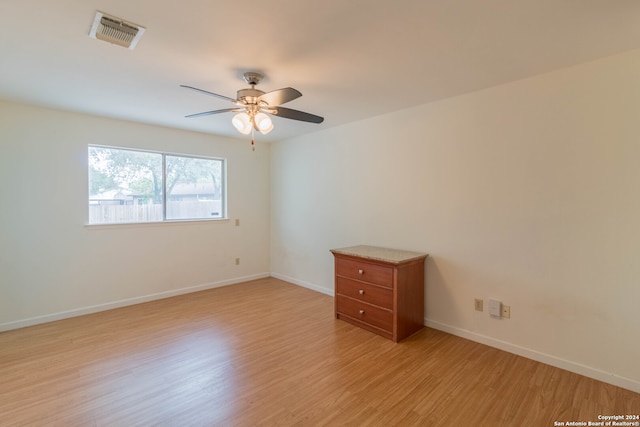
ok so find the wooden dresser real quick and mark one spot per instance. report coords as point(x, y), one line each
point(380, 290)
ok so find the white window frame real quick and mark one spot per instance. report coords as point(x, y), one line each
point(223, 186)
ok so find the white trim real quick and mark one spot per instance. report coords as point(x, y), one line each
point(548, 359)
point(153, 223)
point(123, 303)
point(304, 284)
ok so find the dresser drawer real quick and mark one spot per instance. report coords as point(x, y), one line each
point(375, 316)
point(372, 273)
point(372, 294)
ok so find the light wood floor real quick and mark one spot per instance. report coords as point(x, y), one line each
point(269, 353)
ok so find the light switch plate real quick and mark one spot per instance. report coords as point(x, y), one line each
point(495, 308)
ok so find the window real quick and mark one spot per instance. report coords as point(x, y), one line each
point(128, 186)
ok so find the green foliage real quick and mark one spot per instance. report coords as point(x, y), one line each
point(141, 172)
point(100, 181)
point(136, 171)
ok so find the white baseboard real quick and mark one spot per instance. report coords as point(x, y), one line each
point(123, 303)
point(548, 359)
point(304, 284)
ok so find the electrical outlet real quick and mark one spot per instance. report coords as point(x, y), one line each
point(506, 311)
point(237, 223)
point(478, 304)
point(237, 261)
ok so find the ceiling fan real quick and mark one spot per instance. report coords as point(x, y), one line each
point(254, 106)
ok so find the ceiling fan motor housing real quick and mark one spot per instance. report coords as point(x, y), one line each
point(249, 96)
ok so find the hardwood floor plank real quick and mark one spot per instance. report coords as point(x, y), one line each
point(268, 353)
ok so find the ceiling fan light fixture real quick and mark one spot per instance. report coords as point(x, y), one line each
point(242, 122)
point(263, 123)
point(256, 105)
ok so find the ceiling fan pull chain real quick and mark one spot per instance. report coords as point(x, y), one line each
point(253, 145)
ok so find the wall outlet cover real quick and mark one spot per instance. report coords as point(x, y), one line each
point(495, 308)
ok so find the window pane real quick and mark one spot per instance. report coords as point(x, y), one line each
point(195, 188)
point(124, 186)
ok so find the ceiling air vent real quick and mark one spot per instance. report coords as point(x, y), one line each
point(115, 30)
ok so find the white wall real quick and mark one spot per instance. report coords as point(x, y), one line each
point(528, 192)
point(52, 265)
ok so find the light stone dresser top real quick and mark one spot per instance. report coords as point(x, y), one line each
point(394, 256)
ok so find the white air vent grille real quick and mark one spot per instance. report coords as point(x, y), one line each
point(115, 30)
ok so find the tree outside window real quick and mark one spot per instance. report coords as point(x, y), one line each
point(129, 186)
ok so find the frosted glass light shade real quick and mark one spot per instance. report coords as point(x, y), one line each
point(263, 123)
point(242, 122)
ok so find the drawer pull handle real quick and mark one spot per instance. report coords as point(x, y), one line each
point(361, 291)
point(361, 311)
point(360, 271)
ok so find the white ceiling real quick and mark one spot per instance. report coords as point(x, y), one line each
point(351, 59)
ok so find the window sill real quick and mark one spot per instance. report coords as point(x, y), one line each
point(156, 223)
